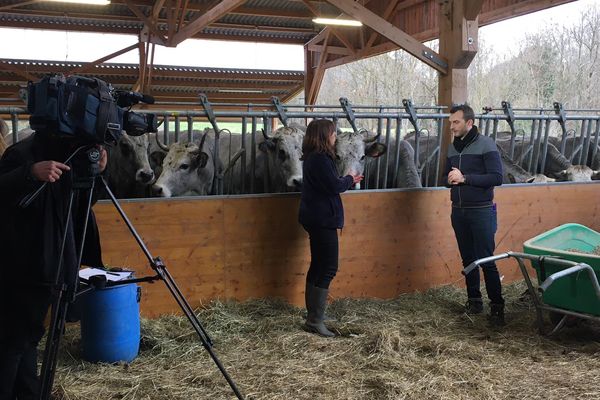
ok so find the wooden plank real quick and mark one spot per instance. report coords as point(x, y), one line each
point(252, 246)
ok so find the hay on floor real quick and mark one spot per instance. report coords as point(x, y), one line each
point(418, 346)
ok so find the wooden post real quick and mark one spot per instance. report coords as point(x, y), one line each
point(458, 44)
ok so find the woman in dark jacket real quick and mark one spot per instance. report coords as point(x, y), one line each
point(321, 214)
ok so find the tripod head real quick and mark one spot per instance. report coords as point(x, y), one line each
point(86, 167)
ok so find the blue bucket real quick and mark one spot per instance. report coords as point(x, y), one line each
point(110, 324)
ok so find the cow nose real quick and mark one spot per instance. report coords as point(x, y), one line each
point(297, 183)
point(146, 177)
point(157, 191)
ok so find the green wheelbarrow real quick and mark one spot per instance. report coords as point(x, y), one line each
point(567, 273)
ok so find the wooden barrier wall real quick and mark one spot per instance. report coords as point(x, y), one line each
point(394, 241)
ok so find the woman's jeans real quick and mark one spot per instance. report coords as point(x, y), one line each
point(475, 229)
point(323, 256)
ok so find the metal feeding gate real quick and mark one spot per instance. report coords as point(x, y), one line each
point(527, 134)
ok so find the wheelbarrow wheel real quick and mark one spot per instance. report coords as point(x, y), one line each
point(570, 322)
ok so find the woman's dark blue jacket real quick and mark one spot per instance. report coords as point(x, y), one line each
point(320, 203)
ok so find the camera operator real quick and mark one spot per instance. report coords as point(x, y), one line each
point(30, 246)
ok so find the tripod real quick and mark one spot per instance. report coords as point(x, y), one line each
point(66, 290)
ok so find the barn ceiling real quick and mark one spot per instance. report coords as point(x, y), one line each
point(169, 22)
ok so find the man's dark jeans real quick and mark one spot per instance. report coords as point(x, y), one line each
point(475, 229)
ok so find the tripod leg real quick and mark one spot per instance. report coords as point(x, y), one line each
point(161, 270)
point(65, 296)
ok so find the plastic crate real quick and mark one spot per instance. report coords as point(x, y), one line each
point(568, 241)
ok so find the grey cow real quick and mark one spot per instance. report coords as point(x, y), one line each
point(280, 160)
point(189, 168)
point(129, 172)
point(354, 149)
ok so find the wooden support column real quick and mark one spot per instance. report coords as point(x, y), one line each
point(458, 44)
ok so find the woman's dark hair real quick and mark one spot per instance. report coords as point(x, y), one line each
point(316, 139)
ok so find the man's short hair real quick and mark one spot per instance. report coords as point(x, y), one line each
point(468, 113)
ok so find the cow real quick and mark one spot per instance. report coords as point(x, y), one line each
point(573, 152)
point(513, 173)
point(405, 176)
point(578, 173)
point(280, 159)
point(129, 172)
point(189, 168)
point(354, 151)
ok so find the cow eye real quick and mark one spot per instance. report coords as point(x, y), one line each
point(337, 156)
point(362, 158)
point(184, 166)
point(282, 156)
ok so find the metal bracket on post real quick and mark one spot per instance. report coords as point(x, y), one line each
point(209, 111)
point(412, 113)
point(218, 181)
point(349, 113)
point(510, 118)
point(280, 111)
point(562, 120)
point(412, 117)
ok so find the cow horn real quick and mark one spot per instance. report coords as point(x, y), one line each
point(267, 137)
point(162, 146)
point(367, 139)
point(202, 141)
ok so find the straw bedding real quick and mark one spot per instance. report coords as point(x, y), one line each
point(418, 346)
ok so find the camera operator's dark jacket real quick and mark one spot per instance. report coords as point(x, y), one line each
point(30, 238)
point(320, 203)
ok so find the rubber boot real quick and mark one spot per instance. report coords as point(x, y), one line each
point(474, 306)
point(326, 317)
point(316, 303)
point(496, 317)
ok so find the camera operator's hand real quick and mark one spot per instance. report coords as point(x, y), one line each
point(48, 171)
point(103, 158)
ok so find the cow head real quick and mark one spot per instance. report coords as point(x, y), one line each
point(540, 178)
point(352, 150)
point(131, 157)
point(577, 173)
point(187, 169)
point(283, 151)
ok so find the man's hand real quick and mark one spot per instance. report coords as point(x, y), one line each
point(48, 171)
point(455, 177)
point(103, 158)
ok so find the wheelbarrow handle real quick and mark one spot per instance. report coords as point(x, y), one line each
point(477, 263)
point(569, 271)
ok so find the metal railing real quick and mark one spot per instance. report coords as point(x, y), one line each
point(529, 132)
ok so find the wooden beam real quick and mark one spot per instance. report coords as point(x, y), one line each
point(452, 88)
point(344, 40)
point(151, 24)
point(332, 49)
point(203, 20)
point(387, 13)
point(90, 65)
point(402, 39)
point(472, 9)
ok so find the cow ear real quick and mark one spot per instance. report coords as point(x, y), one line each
point(511, 178)
point(375, 150)
point(202, 160)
